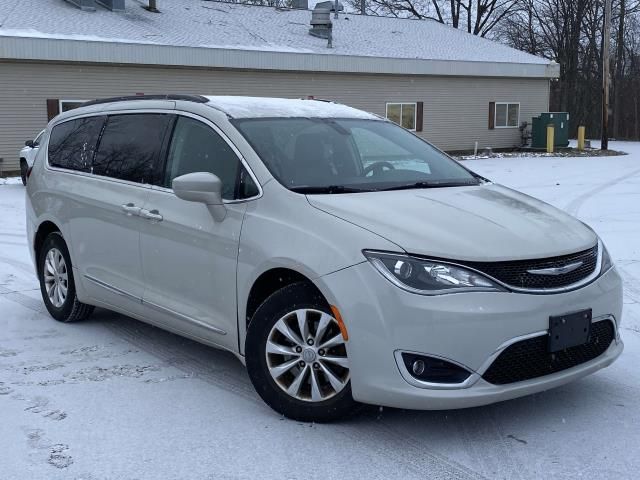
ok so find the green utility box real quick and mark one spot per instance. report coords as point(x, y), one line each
point(560, 121)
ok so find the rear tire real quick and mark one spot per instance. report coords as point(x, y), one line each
point(316, 387)
point(23, 171)
point(57, 284)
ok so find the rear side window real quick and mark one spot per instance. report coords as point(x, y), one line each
point(72, 144)
point(130, 146)
point(195, 147)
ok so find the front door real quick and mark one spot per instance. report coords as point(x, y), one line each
point(189, 259)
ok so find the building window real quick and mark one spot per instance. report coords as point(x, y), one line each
point(507, 115)
point(404, 114)
point(66, 105)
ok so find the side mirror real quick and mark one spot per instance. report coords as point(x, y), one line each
point(29, 143)
point(201, 187)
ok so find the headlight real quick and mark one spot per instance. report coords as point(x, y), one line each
point(429, 277)
point(606, 263)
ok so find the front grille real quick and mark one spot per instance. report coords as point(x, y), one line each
point(531, 359)
point(515, 274)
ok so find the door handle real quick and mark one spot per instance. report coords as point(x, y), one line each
point(130, 209)
point(151, 215)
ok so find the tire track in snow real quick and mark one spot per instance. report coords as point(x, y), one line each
point(486, 442)
point(148, 339)
point(410, 454)
point(573, 207)
point(22, 299)
point(25, 267)
point(630, 281)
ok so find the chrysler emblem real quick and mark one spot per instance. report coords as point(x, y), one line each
point(556, 270)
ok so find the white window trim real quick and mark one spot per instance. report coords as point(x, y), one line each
point(415, 113)
point(68, 100)
point(495, 115)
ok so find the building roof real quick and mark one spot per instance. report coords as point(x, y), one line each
point(212, 34)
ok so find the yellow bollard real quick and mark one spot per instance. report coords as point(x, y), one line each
point(581, 138)
point(550, 132)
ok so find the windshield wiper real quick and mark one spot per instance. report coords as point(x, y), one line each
point(328, 189)
point(430, 185)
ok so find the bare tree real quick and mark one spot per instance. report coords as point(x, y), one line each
point(478, 17)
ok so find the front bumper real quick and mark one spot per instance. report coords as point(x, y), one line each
point(469, 329)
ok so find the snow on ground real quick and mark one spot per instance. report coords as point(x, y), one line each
point(112, 398)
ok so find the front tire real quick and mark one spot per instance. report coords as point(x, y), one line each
point(23, 172)
point(57, 283)
point(296, 356)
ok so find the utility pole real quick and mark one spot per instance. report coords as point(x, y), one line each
point(604, 143)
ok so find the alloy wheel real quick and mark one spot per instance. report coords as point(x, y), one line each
point(306, 355)
point(56, 278)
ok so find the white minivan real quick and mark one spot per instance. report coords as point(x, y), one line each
point(343, 259)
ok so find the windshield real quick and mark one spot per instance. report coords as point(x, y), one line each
point(312, 155)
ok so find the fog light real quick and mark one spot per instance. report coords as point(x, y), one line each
point(418, 367)
point(434, 370)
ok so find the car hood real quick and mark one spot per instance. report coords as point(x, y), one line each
point(474, 223)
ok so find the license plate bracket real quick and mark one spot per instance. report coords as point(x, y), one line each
point(569, 330)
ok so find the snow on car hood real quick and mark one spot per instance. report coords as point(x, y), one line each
point(477, 223)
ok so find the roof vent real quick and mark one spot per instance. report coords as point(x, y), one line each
point(321, 25)
point(331, 6)
point(87, 5)
point(113, 5)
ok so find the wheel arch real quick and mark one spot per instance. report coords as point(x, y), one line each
point(269, 282)
point(44, 229)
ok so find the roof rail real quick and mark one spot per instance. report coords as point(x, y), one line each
point(325, 100)
point(186, 98)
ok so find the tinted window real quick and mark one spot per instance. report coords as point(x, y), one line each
point(72, 144)
point(130, 146)
point(197, 148)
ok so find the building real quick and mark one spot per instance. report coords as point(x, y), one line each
point(450, 87)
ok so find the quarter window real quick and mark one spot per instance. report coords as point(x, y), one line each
point(36, 141)
point(195, 147)
point(404, 114)
point(130, 146)
point(507, 115)
point(72, 144)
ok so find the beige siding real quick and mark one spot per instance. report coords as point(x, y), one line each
point(455, 108)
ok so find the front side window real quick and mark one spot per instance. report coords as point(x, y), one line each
point(403, 114)
point(195, 147)
point(130, 146)
point(507, 115)
point(312, 155)
point(72, 144)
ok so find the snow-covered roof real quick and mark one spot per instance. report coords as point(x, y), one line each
point(231, 33)
point(259, 107)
